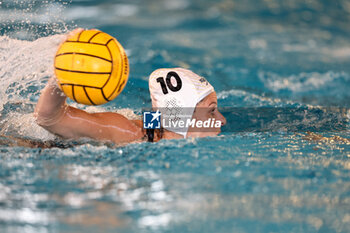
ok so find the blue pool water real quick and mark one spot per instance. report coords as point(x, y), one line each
point(286, 54)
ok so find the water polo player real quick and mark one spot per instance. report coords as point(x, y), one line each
point(191, 96)
point(56, 116)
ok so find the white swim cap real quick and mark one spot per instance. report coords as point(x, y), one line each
point(176, 92)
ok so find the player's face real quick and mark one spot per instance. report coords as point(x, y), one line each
point(206, 110)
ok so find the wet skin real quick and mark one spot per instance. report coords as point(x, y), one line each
point(56, 116)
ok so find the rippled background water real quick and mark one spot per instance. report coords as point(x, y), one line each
point(270, 53)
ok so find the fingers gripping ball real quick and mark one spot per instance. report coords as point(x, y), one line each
point(91, 67)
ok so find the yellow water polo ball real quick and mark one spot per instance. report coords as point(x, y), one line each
point(91, 67)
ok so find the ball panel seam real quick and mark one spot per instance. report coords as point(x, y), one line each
point(85, 54)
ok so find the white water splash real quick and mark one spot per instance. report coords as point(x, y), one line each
point(25, 67)
point(31, 19)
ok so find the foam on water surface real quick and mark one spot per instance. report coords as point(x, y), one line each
point(25, 67)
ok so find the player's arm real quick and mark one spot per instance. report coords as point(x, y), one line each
point(56, 116)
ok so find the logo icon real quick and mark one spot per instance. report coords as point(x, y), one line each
point(151, 120)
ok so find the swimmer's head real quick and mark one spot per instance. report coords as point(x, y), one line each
point(179, 93)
